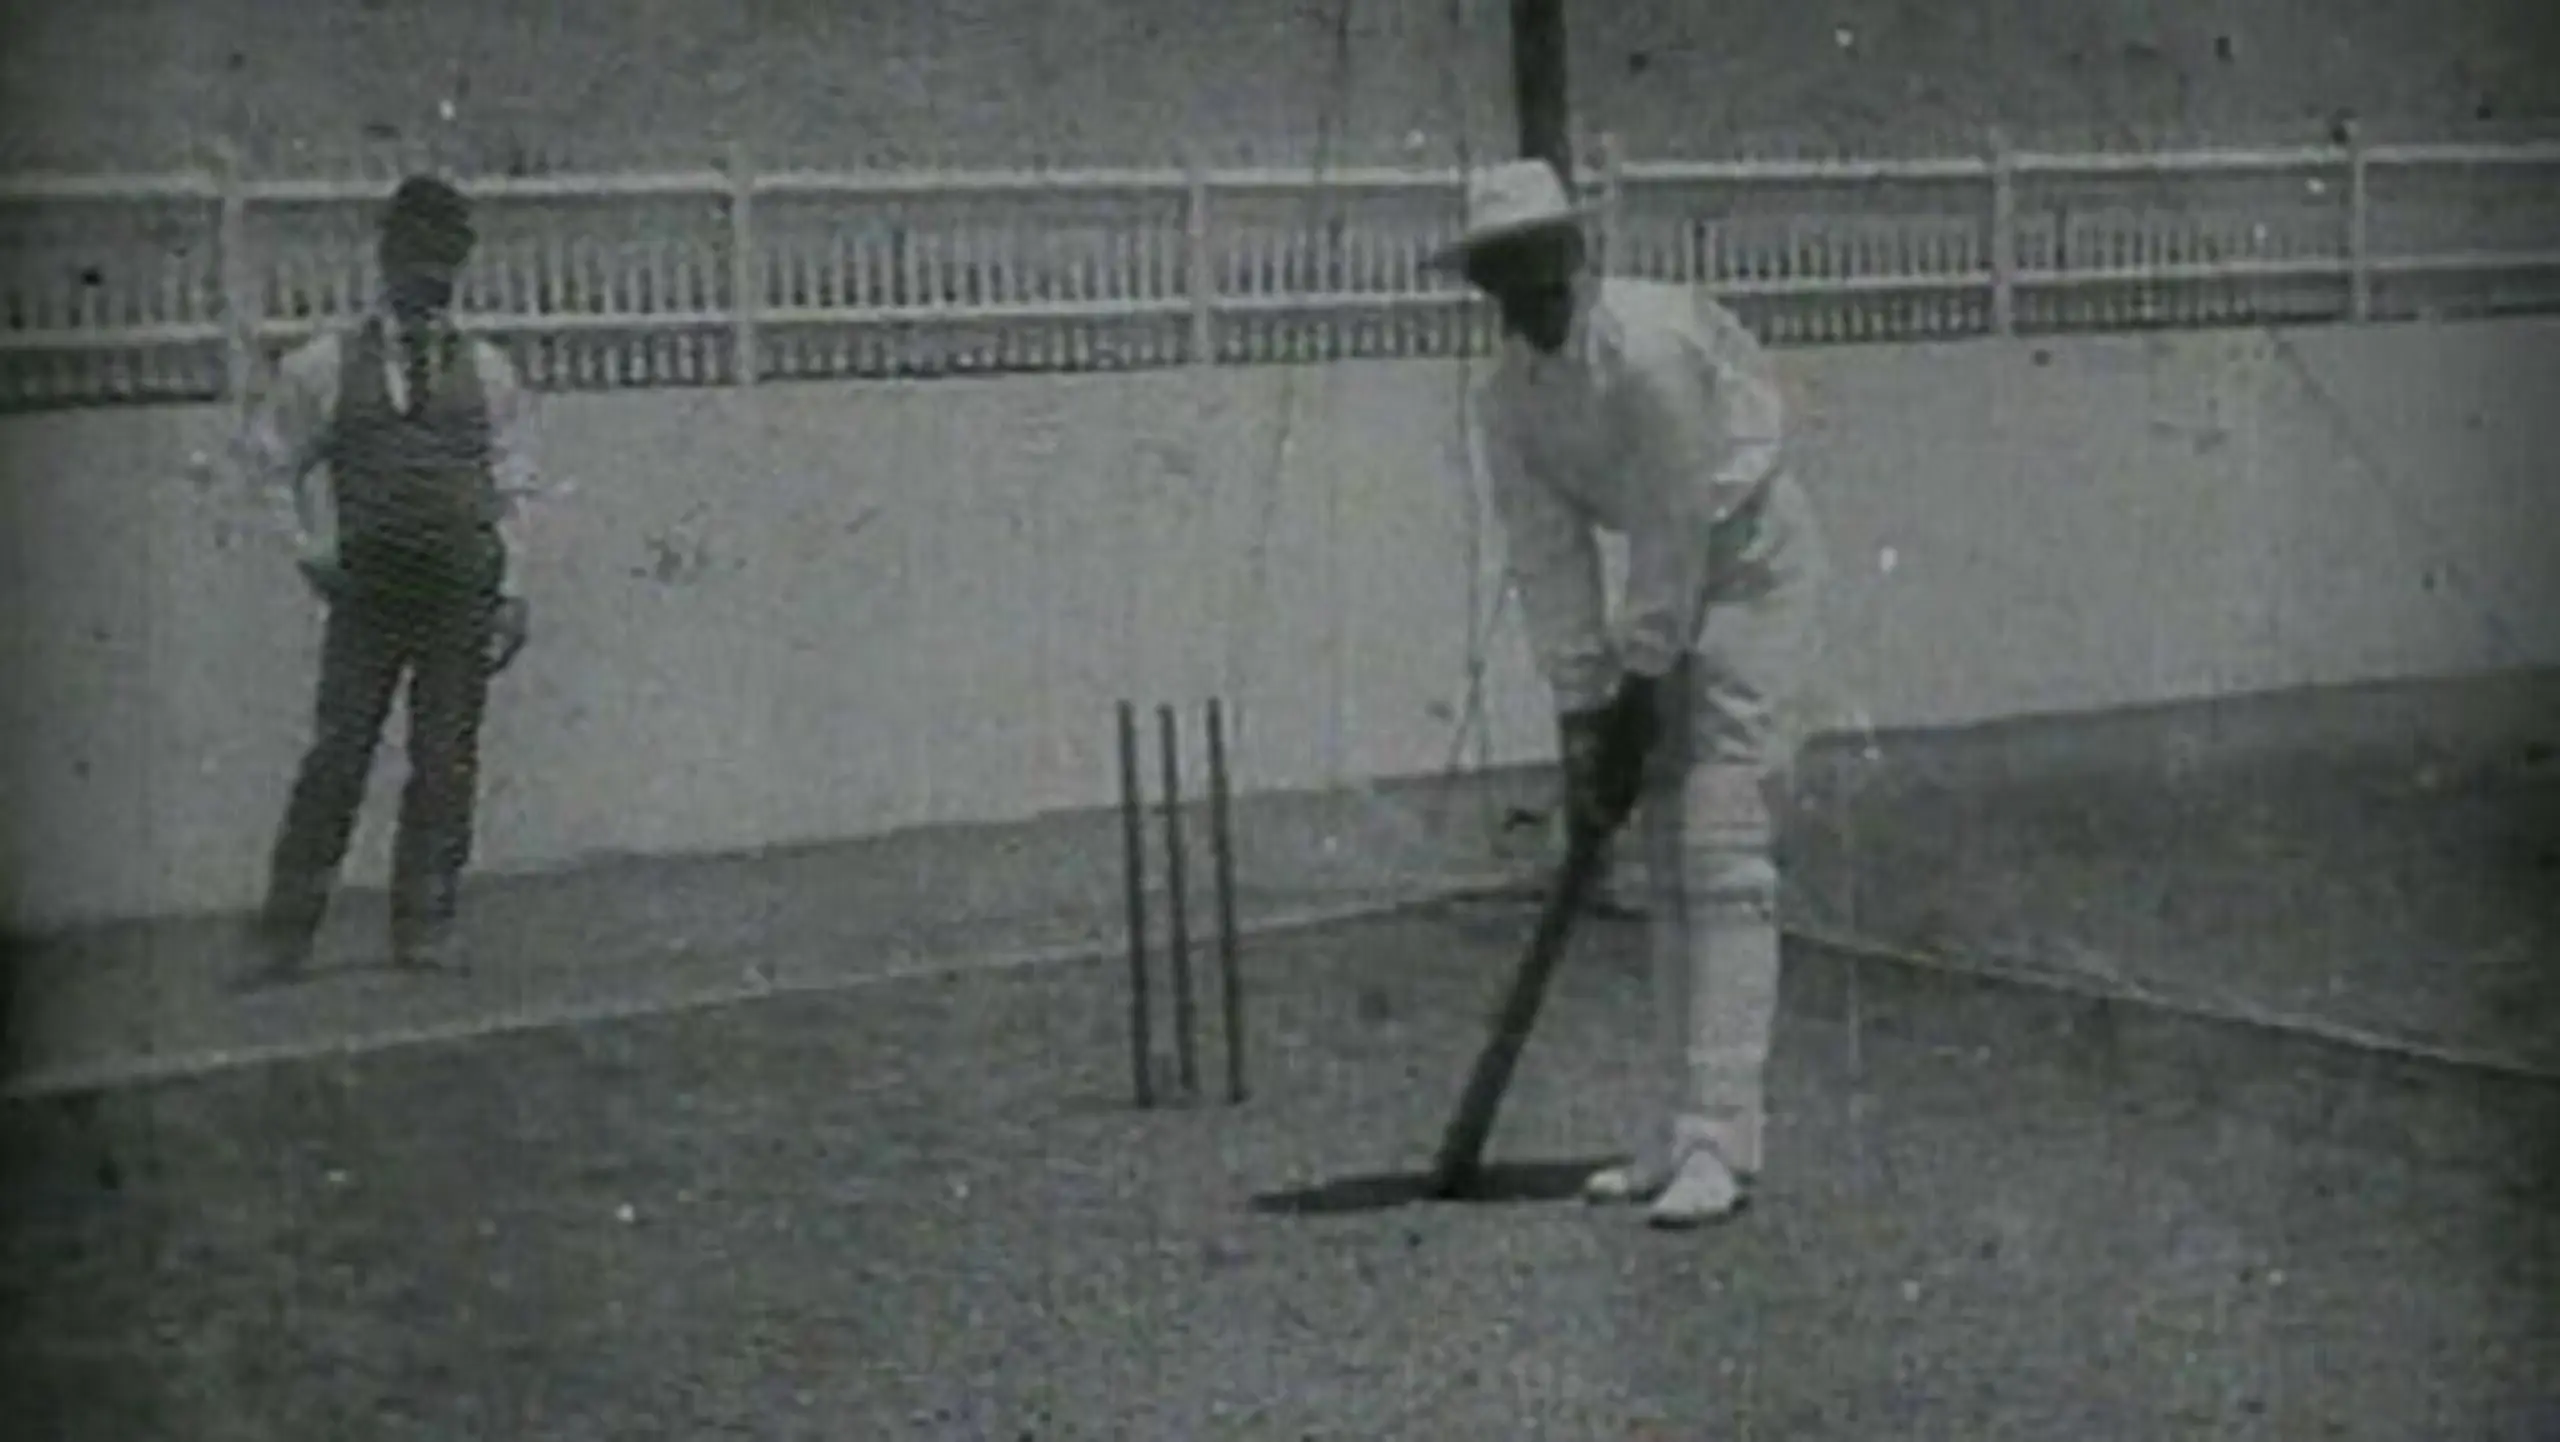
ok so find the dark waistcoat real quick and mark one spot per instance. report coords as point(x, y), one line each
point(416, 497)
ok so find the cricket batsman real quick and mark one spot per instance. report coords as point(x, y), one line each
point(410, 542)
point(1649, 411)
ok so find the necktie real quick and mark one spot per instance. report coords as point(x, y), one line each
point(415, 347)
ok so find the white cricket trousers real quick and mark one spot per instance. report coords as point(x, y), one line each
point(1705, 828)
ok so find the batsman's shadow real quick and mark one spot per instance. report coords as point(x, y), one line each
point(1496, 1184)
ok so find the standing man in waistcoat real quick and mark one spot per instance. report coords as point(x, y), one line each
point(1650, 411)
point(412, 542)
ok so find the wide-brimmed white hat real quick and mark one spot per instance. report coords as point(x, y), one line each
point(1506, 201)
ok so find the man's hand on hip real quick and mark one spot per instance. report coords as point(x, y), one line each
point(324, 576)
point(509, 628)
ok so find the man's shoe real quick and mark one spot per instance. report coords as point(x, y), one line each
point(1689, 1183)
point(1704, 1190)
point(1638, 1179)
point(1703, 1187)
point(427, 950)
point(422, 916)
point(282, 950)
point(1625, 1184)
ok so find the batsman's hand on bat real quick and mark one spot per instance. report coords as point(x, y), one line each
point(1605, 750)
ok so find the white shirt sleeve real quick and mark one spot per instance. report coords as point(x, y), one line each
point(1554, 562)
point(1706, 424)
point(282, 445)
point(1750, 408)
point(1673, 453)
point(511, 466)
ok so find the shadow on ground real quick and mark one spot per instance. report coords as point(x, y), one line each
point(926, 1209)
point(923, 1206)
point(1502, 1184)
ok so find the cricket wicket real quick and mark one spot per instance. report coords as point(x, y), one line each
point(1133, 827)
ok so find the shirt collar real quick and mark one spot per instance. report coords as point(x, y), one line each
point(379, 316)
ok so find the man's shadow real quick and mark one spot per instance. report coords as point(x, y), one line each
point(1495, 1184)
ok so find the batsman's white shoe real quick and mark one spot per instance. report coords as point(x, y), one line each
point(1641, 1177)
point(1703, 1188)
point(1637, 1181)
point(1734, 1144)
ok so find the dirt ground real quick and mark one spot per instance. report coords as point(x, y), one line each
point(2023, 1183)
point(2372, 864)
point(927, 1209)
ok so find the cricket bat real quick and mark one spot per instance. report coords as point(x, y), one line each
point(1462, 1145)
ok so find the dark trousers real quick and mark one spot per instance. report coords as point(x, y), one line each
point(437, 638)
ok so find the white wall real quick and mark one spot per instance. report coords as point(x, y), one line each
point(809, 612)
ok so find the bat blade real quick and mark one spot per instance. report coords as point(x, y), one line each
point(1462, 1144)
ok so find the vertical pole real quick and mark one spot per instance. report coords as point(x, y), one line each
point(1538, 83)
point(2003, 239)
point(1613, 210)
point(1133, 835)
point(1223, 855)
point(238, 281)
point(746, 296)
point(1186, 1024)
point(1200, 247)
point(2359, 229)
